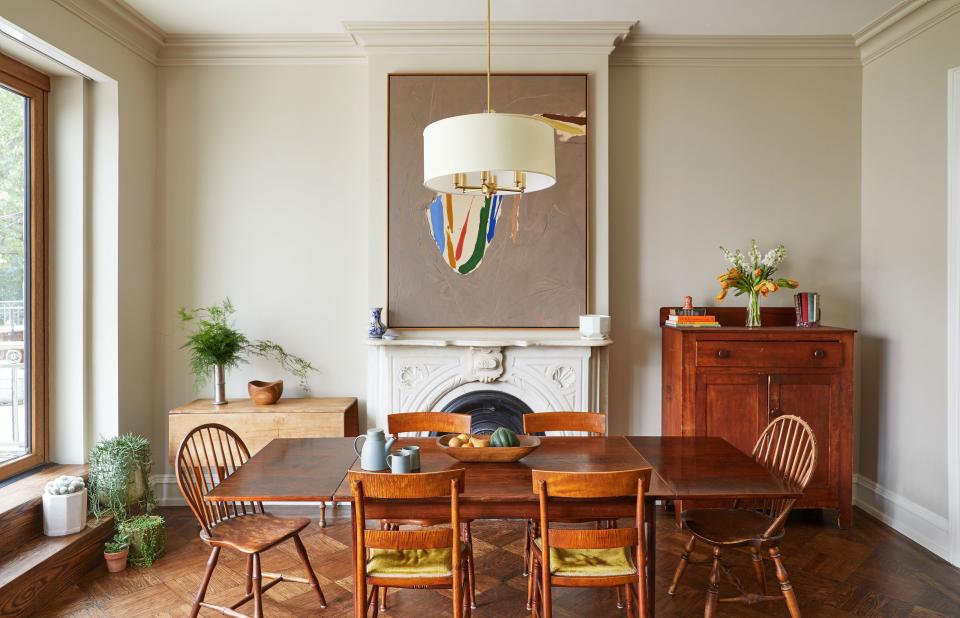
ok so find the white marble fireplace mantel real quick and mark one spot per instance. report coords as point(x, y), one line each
point(416, 374)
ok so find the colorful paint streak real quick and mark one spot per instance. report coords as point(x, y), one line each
point(463, 227)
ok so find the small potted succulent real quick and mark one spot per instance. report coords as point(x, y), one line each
point(115, 552)
point(64, 506)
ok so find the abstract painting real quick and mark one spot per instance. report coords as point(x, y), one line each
point(472, 261)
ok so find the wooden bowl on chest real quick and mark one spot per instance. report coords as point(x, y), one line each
point(489, 454)
point(265, 393)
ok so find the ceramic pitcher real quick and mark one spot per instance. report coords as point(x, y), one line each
point(373, 455)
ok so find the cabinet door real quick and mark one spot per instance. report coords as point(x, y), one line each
point(815, 399)
point(732, 406)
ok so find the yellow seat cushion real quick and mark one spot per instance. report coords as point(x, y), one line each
point(411, 562)
point(608, 562)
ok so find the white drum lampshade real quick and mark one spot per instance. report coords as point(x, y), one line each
point(517, 150)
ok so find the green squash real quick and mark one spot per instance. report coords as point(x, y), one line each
point(504, 437)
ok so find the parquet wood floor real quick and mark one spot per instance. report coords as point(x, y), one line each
point(869, 570)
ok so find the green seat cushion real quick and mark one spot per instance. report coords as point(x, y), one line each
point(411, 562)
point(608, 562)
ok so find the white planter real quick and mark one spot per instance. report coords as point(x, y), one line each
point(65, 514)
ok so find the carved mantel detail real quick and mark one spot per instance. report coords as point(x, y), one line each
point(486, 364)
point(548, 375)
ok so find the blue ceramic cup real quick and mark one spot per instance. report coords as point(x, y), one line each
point(400, 463)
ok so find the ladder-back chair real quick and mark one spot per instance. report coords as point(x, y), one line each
point(788, 449)
point(602, 558)
point(207, 455)
point(426, 558)
point(430, 422)
point(542, 422)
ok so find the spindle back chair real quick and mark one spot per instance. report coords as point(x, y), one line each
point(787, 448)
point(207, 456)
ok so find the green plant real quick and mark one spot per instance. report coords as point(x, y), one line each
point(147, 538)
point(214, 341)
point(119, 475)
point(117, 544)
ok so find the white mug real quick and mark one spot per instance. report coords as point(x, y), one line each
point(594, 326)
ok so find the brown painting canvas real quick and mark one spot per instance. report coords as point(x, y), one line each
point(465, 262)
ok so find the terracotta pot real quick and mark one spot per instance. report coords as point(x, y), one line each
point(117, 561)
point(265, 393)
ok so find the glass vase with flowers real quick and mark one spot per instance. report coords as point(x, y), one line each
point(752, 274)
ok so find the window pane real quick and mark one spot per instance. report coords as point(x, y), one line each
point(14, 199)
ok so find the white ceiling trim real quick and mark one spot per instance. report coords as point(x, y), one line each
point(516, 37)
point(903, 22)
point(743, 51)
point(122, 23)
point(213, 50)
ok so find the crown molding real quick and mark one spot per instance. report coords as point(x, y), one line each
point(121, 22)
point(515, 37)
point(901, 23)
point(220, 50)
point(736, 51)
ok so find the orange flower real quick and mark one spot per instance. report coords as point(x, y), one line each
point(757, 272)
point(719, 297)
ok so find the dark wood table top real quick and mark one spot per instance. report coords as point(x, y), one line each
point(314, 469)
point(709, 468)
point(511, 482)
point(290, 470)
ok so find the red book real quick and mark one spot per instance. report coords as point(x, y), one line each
point(687, 319)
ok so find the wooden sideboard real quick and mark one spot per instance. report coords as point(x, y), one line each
point(730, 382)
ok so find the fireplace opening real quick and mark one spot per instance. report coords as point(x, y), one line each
point(489, 410)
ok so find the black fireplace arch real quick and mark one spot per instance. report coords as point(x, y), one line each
point(489, 409)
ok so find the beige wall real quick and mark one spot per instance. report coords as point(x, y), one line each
point(264, 200)
point(903, 441)
point(704, 156)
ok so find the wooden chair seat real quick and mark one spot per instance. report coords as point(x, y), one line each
point(607, 562)
point(730, 527)
point(254, 533)
point(438, 562)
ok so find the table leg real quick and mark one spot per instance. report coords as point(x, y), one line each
point(323, 514)
point(650, 538)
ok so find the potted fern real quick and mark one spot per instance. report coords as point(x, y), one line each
point(216, 346)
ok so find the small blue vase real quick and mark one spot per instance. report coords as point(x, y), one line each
point(376, 328)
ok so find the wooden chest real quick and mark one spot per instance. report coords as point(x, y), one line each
point(730, 382)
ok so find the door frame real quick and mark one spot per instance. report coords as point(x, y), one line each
point(953, 312)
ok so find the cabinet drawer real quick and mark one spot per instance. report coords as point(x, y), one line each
point(769, 354)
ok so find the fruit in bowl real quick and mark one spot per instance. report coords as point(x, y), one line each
point(466, 440)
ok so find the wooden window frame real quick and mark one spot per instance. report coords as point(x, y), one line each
point(34, 85)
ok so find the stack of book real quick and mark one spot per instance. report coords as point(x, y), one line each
point(691, 318)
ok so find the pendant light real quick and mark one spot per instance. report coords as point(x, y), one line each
point(489, 153)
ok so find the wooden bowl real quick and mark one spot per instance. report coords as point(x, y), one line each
point(265, 393)
point(492, 454)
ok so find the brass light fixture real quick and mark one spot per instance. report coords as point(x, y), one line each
point(489, 153)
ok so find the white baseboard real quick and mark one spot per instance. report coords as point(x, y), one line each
point(916, 522)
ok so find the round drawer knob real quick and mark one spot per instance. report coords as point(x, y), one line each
point(819, 353)
point(723, 353)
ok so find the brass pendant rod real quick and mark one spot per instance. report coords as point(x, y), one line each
point(488, 56)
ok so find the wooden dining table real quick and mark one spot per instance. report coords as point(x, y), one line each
point(683, 468)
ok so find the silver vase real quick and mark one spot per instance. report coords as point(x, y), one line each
point(219, 385)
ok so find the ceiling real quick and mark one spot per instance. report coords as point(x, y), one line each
point(656, 17)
